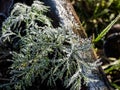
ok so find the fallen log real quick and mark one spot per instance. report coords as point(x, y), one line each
point(63, 13)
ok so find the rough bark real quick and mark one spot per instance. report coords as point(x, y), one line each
point(67, 14)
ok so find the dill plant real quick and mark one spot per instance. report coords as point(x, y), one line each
point(46, 52)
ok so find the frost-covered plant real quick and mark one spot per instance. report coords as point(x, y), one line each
point(50, 53)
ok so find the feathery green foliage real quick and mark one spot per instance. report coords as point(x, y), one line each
point(46, 52)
